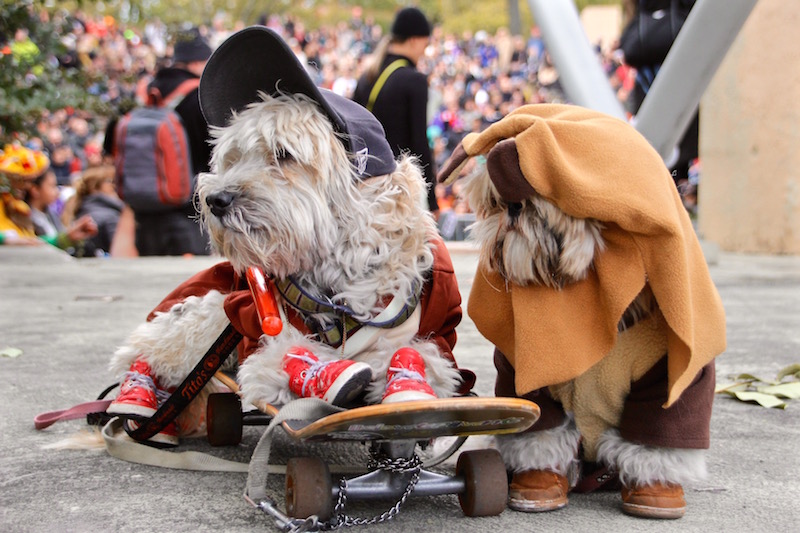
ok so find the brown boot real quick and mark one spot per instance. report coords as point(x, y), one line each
point(534, 491)
point(658, 500)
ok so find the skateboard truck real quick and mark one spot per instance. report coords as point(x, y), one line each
point(391, 464)
point(284, 522)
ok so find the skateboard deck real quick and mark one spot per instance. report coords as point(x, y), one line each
point(422, 419)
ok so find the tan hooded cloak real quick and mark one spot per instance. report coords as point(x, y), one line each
point(592, 165)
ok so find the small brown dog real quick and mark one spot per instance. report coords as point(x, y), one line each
point(593, 288)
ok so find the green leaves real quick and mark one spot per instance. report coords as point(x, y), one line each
point(750, 388)
point(33, 80)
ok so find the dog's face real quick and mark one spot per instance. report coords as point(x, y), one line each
point(531, 241)
point(279, 177)
point(284, 195)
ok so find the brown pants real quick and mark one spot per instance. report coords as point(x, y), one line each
point(685, 424)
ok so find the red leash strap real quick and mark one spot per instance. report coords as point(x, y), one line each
point(45, 420)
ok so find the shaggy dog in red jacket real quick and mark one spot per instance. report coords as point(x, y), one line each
point(304, 187)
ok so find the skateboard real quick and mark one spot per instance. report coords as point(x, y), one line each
point(393, 432)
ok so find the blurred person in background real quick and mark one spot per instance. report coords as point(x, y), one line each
point(96, 196)
point(41, 195)
point(397, 93)
point(25, 175)
point(644, 43)
point(173, 232)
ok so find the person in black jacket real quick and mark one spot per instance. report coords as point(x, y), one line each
point(175, 232)
point(397, 94)
point(645, 42)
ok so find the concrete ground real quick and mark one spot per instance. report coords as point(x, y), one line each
point(67, 316)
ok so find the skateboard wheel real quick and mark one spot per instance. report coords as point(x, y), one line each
point(309, 490)
point(485, 482)
point(224, 419)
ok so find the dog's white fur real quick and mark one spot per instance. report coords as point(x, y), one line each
point(556, 450)
point(534, 242)
point(171, 344)
point(644, 465)
point(298, 209)
point(172, 341)
point(541, 244)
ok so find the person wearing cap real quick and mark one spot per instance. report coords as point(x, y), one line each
point(191, 52)
point(397, 93)
point(175, 232)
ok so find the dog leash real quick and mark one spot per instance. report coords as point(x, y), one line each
point(45, 420)
point(304, 409)
point(169, 410)
point(255, 492)
point(120, 445)
point(94, 411)
point(187, 390)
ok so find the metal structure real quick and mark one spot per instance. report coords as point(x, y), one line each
point(581, 75)
point(694, 58)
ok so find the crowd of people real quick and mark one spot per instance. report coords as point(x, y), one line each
point(474, 79)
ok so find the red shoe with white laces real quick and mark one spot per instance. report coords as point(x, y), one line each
point(405, 379)
point(338, 382)
point(139, 395)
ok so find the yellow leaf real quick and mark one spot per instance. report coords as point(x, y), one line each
point(791, 370)
point(784, 390)
point(750, 378)
point(731, 387)
point(764, 400)
point(10, 352)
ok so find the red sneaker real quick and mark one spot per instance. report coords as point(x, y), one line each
point(405, 379)
point(140, 395)
point(338, 382)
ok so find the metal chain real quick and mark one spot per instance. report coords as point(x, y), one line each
point(398, 465)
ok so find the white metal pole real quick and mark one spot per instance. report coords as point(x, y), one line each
point(691, 63)
point(579, 69)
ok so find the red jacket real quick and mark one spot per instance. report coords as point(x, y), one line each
point(440, 301)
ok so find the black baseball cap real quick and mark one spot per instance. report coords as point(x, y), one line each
point(191, 46)
point(410, 22)
point(258, 59)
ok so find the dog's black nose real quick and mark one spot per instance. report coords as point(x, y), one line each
point(219, 202)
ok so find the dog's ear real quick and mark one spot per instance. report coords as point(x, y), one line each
point(502, 163)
